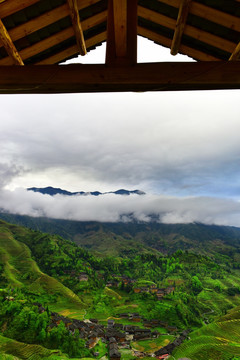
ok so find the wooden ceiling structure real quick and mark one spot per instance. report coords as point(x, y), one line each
point(38, 36)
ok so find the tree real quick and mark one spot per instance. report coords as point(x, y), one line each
point(196, 285)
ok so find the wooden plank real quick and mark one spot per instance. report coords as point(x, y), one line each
point(56, 38)
point(121, 32)
point(77, 27)
point(72, 50)
point(9, 7)
point(180, 25)
point(186, 50)
point(43, 20)
point(9, 45)
point(236, 53)
point(191, 31)
point(208, 13)
point(76, 78)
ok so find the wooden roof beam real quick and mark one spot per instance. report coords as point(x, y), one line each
point(77, 27)
point(122, 32)
point(209, 13)
point(45, 19)
point(9, 45)
point(191, 31)
point(78, 78)
point(57, 38)
point(72, 50)
point(187, 50)
point(180, 25)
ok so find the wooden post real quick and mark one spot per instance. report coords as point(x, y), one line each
point(121, 32)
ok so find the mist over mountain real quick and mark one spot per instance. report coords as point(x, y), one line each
point(49, 190)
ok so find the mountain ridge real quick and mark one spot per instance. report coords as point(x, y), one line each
point(49, 190)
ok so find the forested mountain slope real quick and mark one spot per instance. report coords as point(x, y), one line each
point(124, 238)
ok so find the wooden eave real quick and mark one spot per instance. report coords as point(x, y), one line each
point(40, 32)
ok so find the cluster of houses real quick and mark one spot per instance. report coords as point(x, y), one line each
point(168, 349)
point(160, 293)
point(153, 289)
point(117, 279)
point(148, 323)
point(116, 335)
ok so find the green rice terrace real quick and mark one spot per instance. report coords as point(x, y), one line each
point(60, 301)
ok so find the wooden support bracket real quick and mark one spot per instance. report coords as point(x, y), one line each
point(180, 25)
point(77, 27)
point(9, 45)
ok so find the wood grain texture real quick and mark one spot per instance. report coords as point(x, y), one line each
point(77, 27)
point(180, 25)
point(9, 45)
point(101, 78)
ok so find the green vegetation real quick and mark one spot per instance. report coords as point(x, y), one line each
point(218, 340)
point(178, 290)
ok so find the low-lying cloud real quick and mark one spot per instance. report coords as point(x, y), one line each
point(114, 208)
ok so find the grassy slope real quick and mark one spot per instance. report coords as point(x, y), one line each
point(219, 340)
point(11, 349)
point(21, 270)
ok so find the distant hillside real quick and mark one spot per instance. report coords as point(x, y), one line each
point(123, 238)
point(54, 191)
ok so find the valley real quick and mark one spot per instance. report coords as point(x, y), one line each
point(59, 300)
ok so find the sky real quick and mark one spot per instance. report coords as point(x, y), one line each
point(181, 148)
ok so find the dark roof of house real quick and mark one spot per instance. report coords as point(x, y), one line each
point(42, 30)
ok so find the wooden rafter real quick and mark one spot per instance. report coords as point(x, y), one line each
point(180, 25)
point(10, 7)
point(191, 31)
point(209, 13)
point(205, 75)
point(72, 50)
point(122, 32)
point(45, 19)
point(236, 53)
point(9, 45)
point(57, 38)
point(162, 40)
point(77, 27)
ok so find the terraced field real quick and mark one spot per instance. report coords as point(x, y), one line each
point(21, 270)
point(217, 341)
point(11, 349)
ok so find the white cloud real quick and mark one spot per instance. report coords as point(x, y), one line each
point(113, 208)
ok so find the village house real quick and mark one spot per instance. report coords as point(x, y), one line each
point(123, 315)
point(110, 323)
point(137, 290)
point(135, 317)
point(142, 334)
point(83, 277)
point(114, 353)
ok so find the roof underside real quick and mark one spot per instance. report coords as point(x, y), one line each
point(42, 30)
